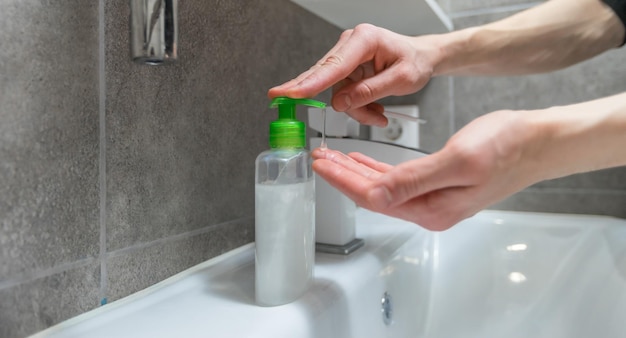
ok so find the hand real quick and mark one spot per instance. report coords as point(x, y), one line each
point(489, 159)
point(366, 64)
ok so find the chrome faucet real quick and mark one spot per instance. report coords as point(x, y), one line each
point(335, 223)
point(154, 31)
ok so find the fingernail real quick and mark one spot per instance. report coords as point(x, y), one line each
point(318, 153)
point(382, 123)
point(380, 197)
point(343, 102)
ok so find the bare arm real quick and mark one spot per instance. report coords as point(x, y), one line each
point(369, 63)
point(581, 137)
point(550, 36)
point(491, 158)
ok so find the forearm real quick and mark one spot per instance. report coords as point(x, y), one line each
point(550, 36)
point(578, 138)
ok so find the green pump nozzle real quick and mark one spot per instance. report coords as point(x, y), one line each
point(287, 131)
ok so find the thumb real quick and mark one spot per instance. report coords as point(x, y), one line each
point(415, 178)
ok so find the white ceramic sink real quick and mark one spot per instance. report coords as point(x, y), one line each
point(506, 274)
point(498, 274)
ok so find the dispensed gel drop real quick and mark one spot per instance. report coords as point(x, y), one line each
point(284, 209)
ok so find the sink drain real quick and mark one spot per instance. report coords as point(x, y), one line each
point(387, 309)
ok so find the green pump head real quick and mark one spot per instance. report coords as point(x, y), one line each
point(287, 132)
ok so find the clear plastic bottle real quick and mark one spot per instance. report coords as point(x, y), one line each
point(284, 210)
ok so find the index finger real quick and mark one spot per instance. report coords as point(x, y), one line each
point(419, 177)
point(351, 51)
point(353, 184)
point(282, 89)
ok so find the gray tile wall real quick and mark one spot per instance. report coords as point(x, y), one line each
point(114, 176)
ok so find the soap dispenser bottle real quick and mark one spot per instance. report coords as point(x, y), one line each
point(284, 209)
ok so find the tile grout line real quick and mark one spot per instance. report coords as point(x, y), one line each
point(102, 293)
point(184, 235)
point(35, 275)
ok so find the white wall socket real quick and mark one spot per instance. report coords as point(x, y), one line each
point(399, 131)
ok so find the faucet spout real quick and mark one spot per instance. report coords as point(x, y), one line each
point(154, 31)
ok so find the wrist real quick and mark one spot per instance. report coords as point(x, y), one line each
point(538, 148)
point(455, 51)
point(580, 137)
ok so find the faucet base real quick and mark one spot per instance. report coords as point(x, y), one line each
point(345, 249)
